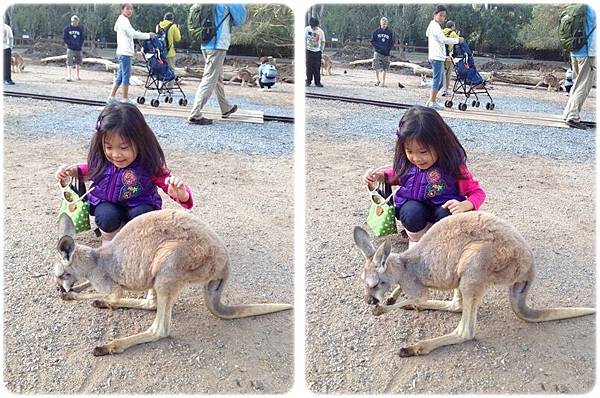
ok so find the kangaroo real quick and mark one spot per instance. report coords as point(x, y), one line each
point(161, 251)
point(326, 65)
point(551, 81)
point(17, 62)
point(245, 76)
point(467, 252)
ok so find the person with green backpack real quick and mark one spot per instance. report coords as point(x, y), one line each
point(210, 26)
point(172, 36)
point(577, 33)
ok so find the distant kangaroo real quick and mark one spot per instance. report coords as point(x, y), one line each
point(467, 252)
point(161, 251)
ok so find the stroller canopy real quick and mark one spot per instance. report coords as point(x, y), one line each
point(465, 67)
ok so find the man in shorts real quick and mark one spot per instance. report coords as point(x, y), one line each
point(382, 41)
point(73, 38)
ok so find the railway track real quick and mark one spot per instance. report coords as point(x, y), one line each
point(81, 101)
point(395, 105)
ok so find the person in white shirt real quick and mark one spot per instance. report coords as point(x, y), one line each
point(436, 41)
point(125, 51)
point(8, 41)
point(315, 45)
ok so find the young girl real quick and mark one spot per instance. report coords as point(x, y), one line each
point(125, 50)
point(125, 164)
point(429, 166)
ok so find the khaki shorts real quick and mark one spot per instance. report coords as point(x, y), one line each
point(74, 57)
point(381, 61)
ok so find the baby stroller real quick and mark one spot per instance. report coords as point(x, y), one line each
point(468, 80)
point(160, 76)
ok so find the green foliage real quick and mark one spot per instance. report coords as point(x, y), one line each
point(541, 33)
point(269, 29)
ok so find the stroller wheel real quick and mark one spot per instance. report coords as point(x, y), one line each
point(474, 103)
point(185, 102)
point(166, 100)
point(477, 103)
point(170, 100)
point(141, 100)
point(462, 107)
point(155, 103)
point(492, 106)
point(449, 103)
point(488, 106)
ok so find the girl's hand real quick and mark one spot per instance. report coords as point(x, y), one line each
point(176, 189)
point(65, 172)
point(455, 207)
point(373, 175)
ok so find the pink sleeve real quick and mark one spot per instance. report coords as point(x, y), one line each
point(390, 177)
point(83, 169)
point(159, 181)
point(469, 188)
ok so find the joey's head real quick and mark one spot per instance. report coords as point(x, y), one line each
point(64, 274)
point(375, 279)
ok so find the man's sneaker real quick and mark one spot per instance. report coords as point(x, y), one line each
point(202, 121)
point(444, 93)
point(229, 112)
point(111, 100)
point(128, 101)
point(576, 125)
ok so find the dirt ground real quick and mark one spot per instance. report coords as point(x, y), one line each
point(552, 204)
point(48, 342)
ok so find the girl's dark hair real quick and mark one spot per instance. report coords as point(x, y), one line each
point(427, 127)
point(125, 4)
point(439, 8)
point(127, 121)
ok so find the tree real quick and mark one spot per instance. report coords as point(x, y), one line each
point(541, 33)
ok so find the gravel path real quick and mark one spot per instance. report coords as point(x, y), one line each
point(268, 139)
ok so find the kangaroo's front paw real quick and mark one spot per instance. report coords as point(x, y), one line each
point(378, 310)
point(67, 296)
point(101, 304)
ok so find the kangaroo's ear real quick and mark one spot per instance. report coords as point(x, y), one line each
point(363, 242)
point(66, 226)
point(381, 256)
point(66, 248)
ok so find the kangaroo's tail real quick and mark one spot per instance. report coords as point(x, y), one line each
point(518, 298)
point(212, 297)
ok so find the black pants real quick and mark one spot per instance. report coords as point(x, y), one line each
point(7, 56)
point(415, 215)
point(313, 67)
point(109, 216)
point(263, 85)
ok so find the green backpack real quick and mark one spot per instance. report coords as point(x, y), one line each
point(571, 27)
point(201, 23)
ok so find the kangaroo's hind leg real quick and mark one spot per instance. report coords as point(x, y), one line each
point(160, 328)
point(464, 331)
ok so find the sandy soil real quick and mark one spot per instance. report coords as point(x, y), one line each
point(48, 342)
